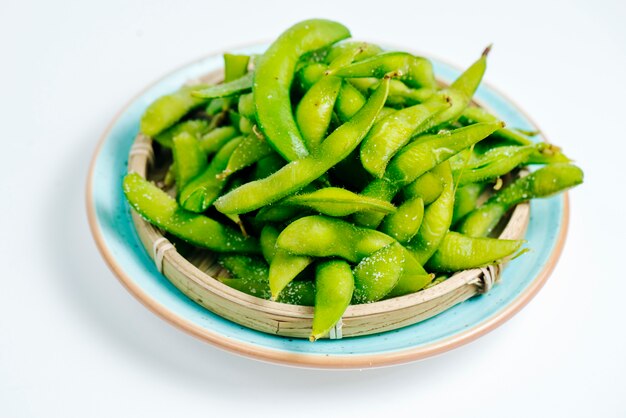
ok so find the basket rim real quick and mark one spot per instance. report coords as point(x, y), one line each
point(301, 359)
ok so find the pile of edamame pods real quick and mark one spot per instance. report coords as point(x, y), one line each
point(328, 172)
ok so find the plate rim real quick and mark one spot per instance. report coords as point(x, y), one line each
point(322, 361)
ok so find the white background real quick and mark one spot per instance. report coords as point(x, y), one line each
point(74, 343)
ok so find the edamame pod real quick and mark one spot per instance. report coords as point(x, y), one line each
point(394, 131)
point(377, 274)
point(475, 114)
point(421, 156)
point(213, 141)
point(493, 164)
point(320, 236)
point(334, 285)
point(167, 110)
point(284, 268)
point(465, 200)
point(405, 222)
point(546, 181)
point(231, 88)
point(202, 191)
point(459, 252)
point(428, 186)
point(273, 77)
point(414, 71)
point(162, 211)
point(193, 127)
point(335, 201)
point(413, 278)
point(314, 111)
point(251, 277)
point(189, 160)
point(267, 241)
point(297, 174)
point(249, 150)
point(436, 221)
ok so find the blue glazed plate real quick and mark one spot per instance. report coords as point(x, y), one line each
point(114, 232)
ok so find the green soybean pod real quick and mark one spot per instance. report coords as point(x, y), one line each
point(349, 101)
point(202, 191)
point(428, 187)
point(297, 174)
point(334, 285)
point(249, 150)
point(273, 77)
point(545, 182)
point(251, 277)
point(321, 236)
point(230, 88)
point(284, 268)
point(189, 160)
point(335, 201)
point(309, 75)
point(212, 141)
point(413, 278)
point(377, 274)
point(245, 105)
point(194, 128)
point(163, 212)
point(474, 114)
point(465, 200)
point(414, 71)
point(267, 166)
point(405, 222)
point(495, 163)
point(267, 241)
point(381, 189)
point(394, 131)
point(235, 66)
point(421, 156)
point(459, 252)
point(313, 113)
point(436, 221)
point(344, 53)
point(169, 109)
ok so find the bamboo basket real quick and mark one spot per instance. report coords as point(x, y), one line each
point(195, 277)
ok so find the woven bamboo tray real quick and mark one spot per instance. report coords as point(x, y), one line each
point(195, 277)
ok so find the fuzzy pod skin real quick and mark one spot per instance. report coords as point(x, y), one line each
point(335, 201)
point(297, 174)
point(459, 252)
point(251, 277)
point(189, 160)
point(195, 128)
point(283, 269)
point(250, 150)
point(377, 274)
point(315, 110)
point(436, 221)
point(428, 187)
point(545, 182)
point(414, 71)
point(169, 109)
point(321, 236)
point(274, 74)
point(405, 222)
point(465, 200)
point(231, 88)
point(423, 155)
point(393, 132)
point(202, 191)
point(162, 211)
point(334, 286)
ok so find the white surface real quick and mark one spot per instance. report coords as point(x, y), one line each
point(74, 343)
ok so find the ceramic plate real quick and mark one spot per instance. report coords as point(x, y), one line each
point(113, 230)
